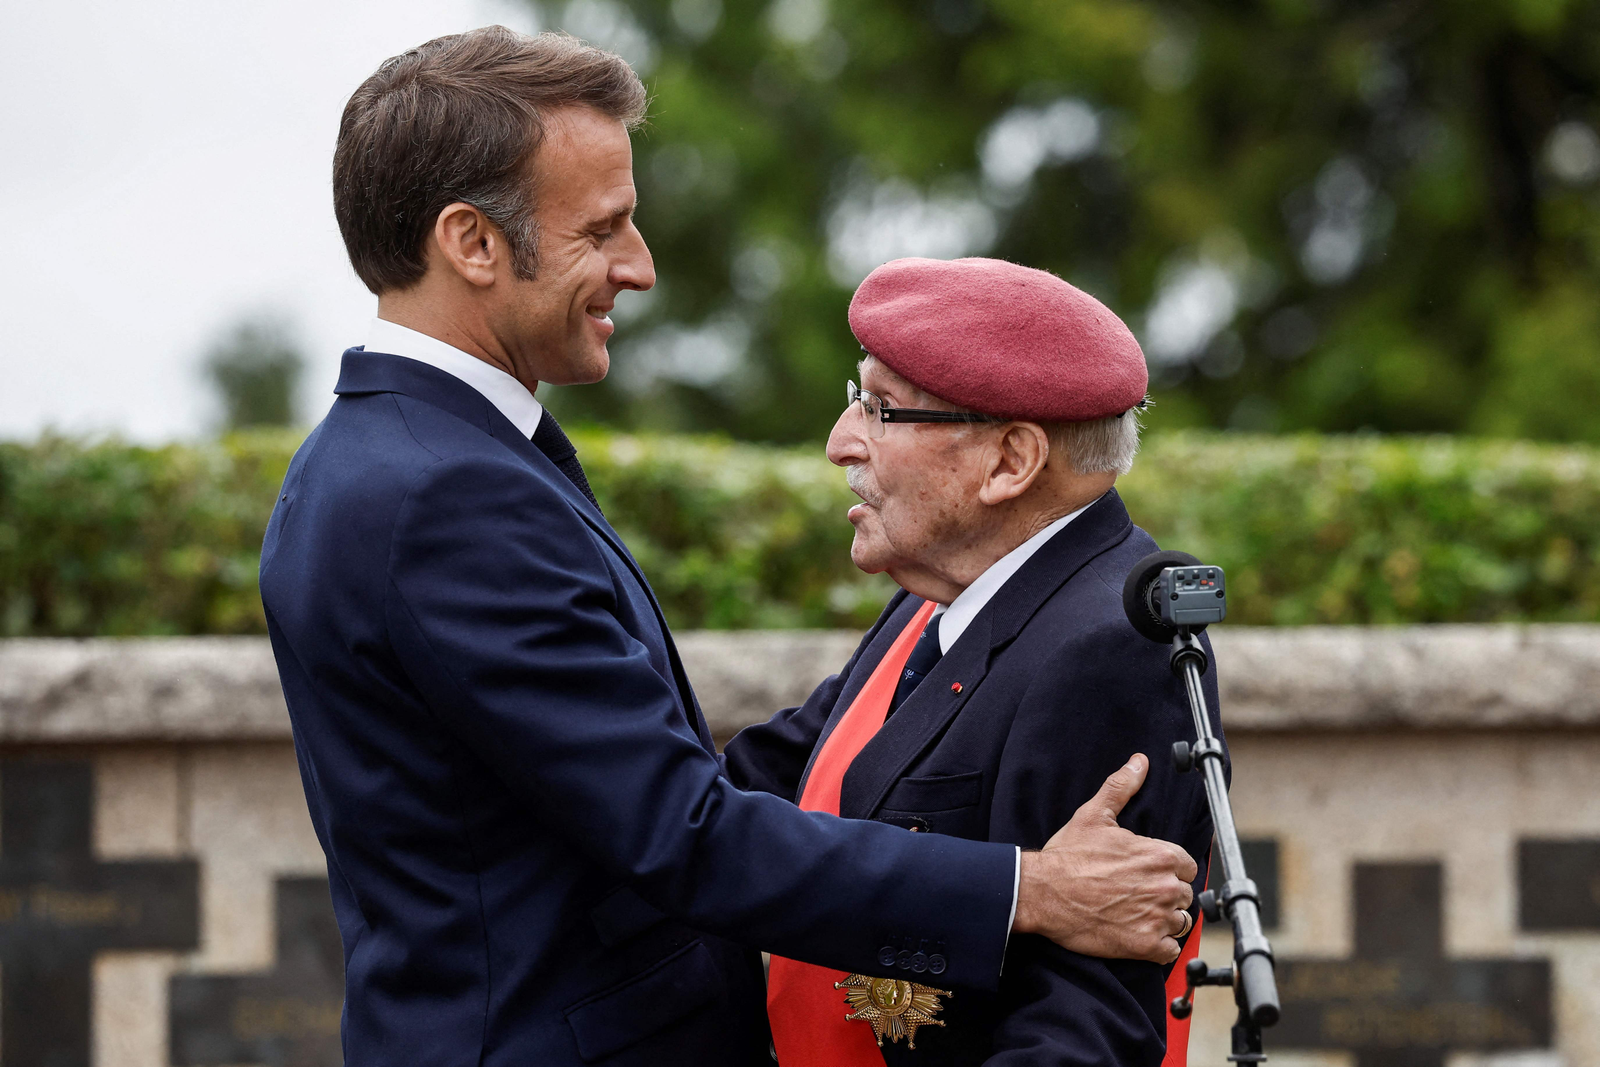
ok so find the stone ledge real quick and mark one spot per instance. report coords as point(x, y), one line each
point(140, 689)
point(1274, 680)
point(1492, 677)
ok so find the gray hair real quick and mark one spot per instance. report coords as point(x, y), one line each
point(1098, 446)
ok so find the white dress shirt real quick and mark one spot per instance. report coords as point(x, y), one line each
point(507, 394)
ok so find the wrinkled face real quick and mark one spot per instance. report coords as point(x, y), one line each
point(918, 483)
point(589, 249)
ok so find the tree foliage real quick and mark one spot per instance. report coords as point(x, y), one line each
point(1317, 214)
point(255, 371)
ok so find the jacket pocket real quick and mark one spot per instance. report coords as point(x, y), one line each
point(941, 793)
point(947, 804)
point(616, 1018)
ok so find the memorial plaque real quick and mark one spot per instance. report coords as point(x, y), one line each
point(1558, 885)
point(1261, 863)
point(58, 907)
point(1399, 1002)
point(287, 1017)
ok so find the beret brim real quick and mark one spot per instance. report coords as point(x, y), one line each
point(999, 338)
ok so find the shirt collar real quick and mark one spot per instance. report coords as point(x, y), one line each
point(497, 387)
point(965, 607)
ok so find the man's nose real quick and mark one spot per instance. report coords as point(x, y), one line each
point(633, 267)
point(847, 443)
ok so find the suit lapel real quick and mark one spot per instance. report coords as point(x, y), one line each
point(1100, 528)
point(364, 372)
point(897, 613)
point(919, 721)
point(926, 713)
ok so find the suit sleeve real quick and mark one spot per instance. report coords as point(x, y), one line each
point(505, 613)
point(1074, 1010)
point(772, 756)
point(1106, 695)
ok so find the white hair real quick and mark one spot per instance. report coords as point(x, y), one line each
point(1098, 446)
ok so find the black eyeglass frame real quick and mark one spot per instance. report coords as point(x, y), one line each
point(888, 413)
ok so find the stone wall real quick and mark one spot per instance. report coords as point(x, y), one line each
point(1421, 803)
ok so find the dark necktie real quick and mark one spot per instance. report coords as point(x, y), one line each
point(925, 655)
point(549, 438)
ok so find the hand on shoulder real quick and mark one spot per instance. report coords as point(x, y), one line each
point(1100, 890)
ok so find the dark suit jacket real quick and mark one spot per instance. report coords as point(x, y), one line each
point(513, 783)
point(1057, 691)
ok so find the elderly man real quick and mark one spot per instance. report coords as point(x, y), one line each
point(1003, 681)
point(534, 854)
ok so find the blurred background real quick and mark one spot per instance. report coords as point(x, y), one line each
point(1359, 243)
point(1319, 217)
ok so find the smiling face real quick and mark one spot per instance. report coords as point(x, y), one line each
point(919, 513)
point(555, 326)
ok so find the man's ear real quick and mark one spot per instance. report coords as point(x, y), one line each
point(1018, 459)
point(464, 238)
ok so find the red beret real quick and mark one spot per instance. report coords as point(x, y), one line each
point(999, 339)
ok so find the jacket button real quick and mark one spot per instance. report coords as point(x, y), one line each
point(936, 964)
point(919, 962)
point(903, 960)
point(886, 956)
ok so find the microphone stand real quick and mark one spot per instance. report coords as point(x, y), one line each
point(1255, 988)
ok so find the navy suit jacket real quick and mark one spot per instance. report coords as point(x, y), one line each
point(534, 856)
point(1057, 690)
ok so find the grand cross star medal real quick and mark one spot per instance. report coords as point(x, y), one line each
point(893, 1007)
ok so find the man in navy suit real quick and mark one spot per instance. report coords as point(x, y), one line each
point(994, 415)
point(534, 854)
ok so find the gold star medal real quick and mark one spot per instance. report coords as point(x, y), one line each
point(893, 1007)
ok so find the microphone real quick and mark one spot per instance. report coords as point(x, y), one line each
point(1170, 597)
point(1167, 591)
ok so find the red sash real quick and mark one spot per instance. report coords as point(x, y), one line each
point(1178, 1029)
point(807, 1013)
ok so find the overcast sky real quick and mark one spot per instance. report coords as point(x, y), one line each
point(165, 170)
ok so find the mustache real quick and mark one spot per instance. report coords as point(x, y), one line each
point(857, 478)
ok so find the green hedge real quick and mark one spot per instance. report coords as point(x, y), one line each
point(1368, 529)
point(108, 538)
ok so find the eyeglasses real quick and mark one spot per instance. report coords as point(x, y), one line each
point(878, 411)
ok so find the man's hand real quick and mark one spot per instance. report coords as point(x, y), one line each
point(1104, 891)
